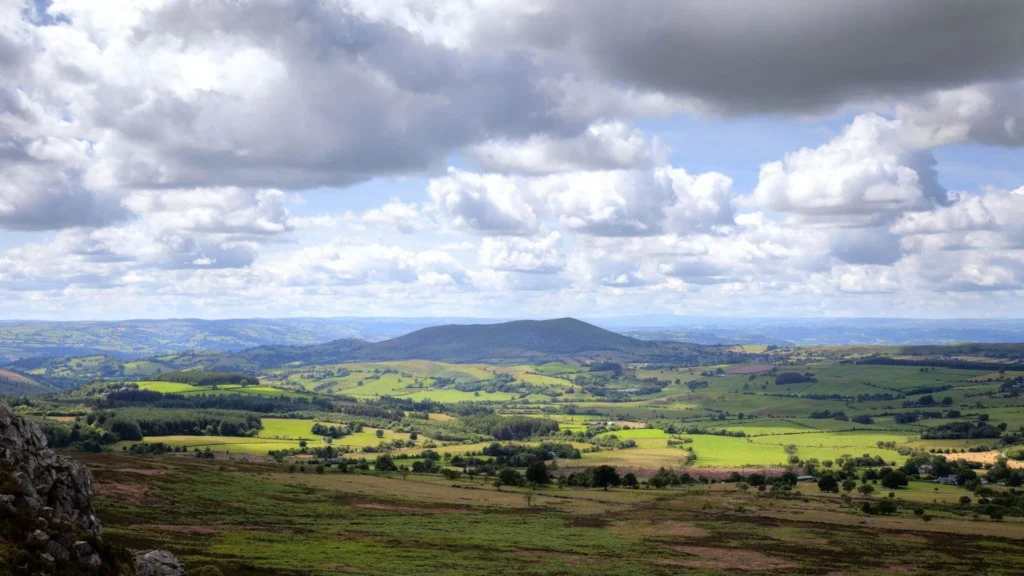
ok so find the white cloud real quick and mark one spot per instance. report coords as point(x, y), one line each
point(487, 203)
point(613, 145)
point(228, 211)
point(405, 217)
point(865, 176)
point(340, 263)
point(539, 256)
point(609, 203)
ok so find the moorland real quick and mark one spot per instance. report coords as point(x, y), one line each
point(555, 447)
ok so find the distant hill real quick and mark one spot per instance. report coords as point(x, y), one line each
point(14, 384)
point(522, 339)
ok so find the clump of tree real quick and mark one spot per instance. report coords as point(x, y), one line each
point(669, 477)
point(511, 427)
point(331, 430)
point(134, 423)
point(264, 404)
point(963, 431)
point(520, 456)
point(794, 378)
point(597, 477)
point(204, 378)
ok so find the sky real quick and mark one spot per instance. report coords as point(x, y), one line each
point(511, 158)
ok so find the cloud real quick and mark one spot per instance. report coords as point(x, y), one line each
point(607, 203)
point(398, 215)
point(224, 211)
point(990, 113)
point(865, 279)
point(281, 94)
point(703, 202)
point(792, 56)
point(342, 264)
point(613, 145)
point(537, 256)
point(487, 203)
point(865, 176)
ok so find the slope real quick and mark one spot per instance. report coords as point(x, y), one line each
point(14, 384)
point(518, 340)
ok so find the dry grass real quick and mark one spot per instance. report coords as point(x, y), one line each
point(983, 457)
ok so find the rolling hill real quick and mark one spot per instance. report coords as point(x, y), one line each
point(14, 384)
point(519, 340)
point(529, 341)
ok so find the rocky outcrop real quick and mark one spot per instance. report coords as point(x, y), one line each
point(47, 522)
point(159, 563)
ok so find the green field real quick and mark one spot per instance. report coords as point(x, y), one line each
point(255, 519)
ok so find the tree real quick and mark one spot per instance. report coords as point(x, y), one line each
point(510, 477)
point(605, 476)
point(886, 506)
point(865, 489)
point(538, 473)
point(895, 479)
point(385, 464)
point(629, 480)
point(828, 483)
point(849, 484)
point(380, 433)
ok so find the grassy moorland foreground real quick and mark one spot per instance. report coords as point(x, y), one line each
point(251, 519)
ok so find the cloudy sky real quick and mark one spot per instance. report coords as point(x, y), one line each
point(205, 158)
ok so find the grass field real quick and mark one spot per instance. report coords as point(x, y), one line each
point(253, 519)
point(189, 389)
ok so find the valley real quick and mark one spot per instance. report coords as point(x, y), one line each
point(604, 444)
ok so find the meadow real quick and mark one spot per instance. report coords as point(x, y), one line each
point(246, 519)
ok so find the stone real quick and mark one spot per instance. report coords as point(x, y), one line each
point(158, 563)
point(92, 561)
point(82, 549)
point(38, 538)
point(54, 492)
point(57, 552)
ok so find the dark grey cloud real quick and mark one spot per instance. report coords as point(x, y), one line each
point(789, 56)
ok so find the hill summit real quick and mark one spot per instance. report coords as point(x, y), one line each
point(526, 339)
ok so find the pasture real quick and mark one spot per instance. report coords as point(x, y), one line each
point(255, 519)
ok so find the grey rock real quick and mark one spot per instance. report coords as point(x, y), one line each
point(46, 479)
point(158, 563)
point(57, 552)
point(82, 549)
point(38, 538)
point(92, 561)
point(55, 491)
